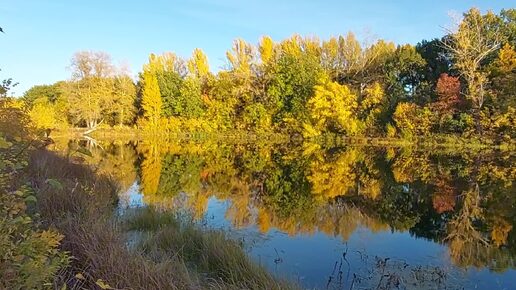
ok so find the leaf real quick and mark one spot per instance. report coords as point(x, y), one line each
point(80, 276)
point(103, 285)
point(4, 144)
point(30, 199)
point(55, 184)
point(19, 166)
point(84, 151)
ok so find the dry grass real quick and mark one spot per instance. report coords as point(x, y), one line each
point(221, 260)
point(66, 188)
point(173, 255)
point(80, 205)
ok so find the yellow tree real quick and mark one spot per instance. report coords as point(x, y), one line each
point(166, 62)
point(240, 57)
point(151, 98)
point(413, 120)
point(372, 105)
point(42, 114)
point(334, 106)
point(329, 57)
point(266, 49)
point(198, 65)
point(124, 95)
point(503, 73)
point(470, 45)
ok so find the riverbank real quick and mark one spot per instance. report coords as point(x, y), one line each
point(61, 229)
point(171, 253)
point(442, 141)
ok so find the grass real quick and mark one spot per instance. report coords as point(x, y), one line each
point(172, 253)
point(221, 260)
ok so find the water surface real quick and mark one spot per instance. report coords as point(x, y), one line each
point(347, 217)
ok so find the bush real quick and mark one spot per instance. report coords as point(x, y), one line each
point(413, 120)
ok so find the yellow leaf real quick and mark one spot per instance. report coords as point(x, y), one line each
point(103, 285)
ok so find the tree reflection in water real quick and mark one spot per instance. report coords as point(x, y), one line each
point(464, 200)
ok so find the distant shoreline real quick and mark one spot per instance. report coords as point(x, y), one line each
point(327, 140)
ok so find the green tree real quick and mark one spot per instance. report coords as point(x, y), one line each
point(294, 76)
point(170, 71)
point(190, 103)
point(123, 102)
point(51, 92)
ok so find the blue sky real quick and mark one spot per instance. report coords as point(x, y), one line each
point(41, 36)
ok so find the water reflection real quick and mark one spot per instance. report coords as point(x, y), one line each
point(463, 202)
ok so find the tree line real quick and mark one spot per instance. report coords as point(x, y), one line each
point(463, 84)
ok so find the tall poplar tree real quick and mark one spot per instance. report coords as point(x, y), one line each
point(151, 98)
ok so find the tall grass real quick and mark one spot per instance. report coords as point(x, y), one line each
point(173, 253)
point(80, 204)
point(221, 260)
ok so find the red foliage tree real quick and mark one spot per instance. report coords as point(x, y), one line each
point(448, 92)
point(444, 197)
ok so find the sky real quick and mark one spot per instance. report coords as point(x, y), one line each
point(41, 36)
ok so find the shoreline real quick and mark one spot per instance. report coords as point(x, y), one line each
point(326, 140)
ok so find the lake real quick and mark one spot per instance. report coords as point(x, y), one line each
point(342, 217)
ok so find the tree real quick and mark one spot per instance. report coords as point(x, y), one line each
point(151, 98)
point(5, 86)
point(358, 67)
point(43, 114)
point(413, 120)
point(437, 61)
point(470, 45)
point(503, 77)
point(404, 73)
point(51, 92)
point(170, 71)
point(334, 107)
point(123, 102)
point(448, 90)
point(372, 106)
point(266, 49)
point(508, 17)
point(190, 103)
point(198, 65)
point(90, 91)
point(294, 75)
point(241, 58)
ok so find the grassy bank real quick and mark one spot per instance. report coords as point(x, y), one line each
point(59, 229)
point(170, 255)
